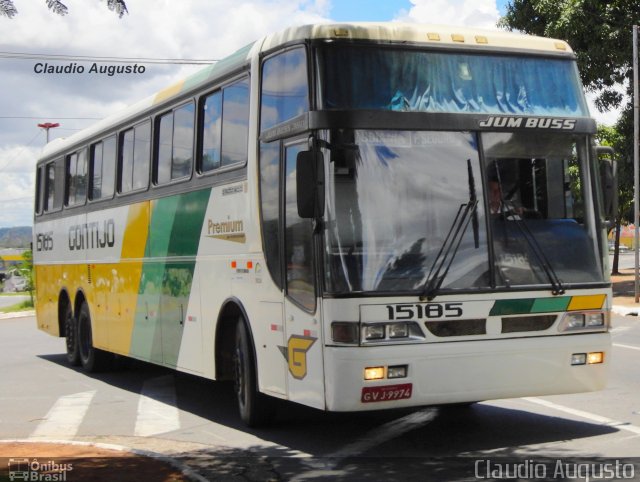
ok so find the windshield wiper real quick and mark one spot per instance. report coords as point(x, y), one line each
point(467, 212)
point(556, 285)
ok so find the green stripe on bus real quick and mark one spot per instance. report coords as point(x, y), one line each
point(548, 305)
point(512, 307)
point(165, 286)
point(524, 306)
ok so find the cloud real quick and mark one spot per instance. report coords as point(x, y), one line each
point(470, 13)
point(189, 29)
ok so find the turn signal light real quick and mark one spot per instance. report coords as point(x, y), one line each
point(374, 373)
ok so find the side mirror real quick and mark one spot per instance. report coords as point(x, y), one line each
point(608, 182)
point(310, 184)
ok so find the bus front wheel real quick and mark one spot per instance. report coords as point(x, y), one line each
point(91, 358)
point(255, 408)
point(71, 336)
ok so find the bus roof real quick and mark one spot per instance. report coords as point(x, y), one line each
point(388, 32)
point(417, 33)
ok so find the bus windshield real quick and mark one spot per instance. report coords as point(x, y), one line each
point(411, 80)
point(409, 210)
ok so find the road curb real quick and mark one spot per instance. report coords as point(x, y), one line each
point(173, 462)
point(17, 314)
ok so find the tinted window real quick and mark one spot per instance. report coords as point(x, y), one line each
point(102, 170)
point(235, 123)
point(77, 178)
point(136, 148)
point(212, 131)
point(270, 197)
point(298, 240)
point(52, 202)
point(284, 88)
point(175, 144)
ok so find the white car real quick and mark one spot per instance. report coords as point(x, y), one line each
point(15, 281)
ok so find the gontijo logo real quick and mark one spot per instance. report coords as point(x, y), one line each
point(296, 354)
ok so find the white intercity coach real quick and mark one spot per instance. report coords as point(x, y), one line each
point(346, 216)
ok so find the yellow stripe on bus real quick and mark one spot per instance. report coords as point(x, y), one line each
point(589, 302)
point(168, 92)
point(127, 274)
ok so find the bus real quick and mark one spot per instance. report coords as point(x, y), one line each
point(346, 216)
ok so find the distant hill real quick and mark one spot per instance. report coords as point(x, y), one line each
point(19, 237)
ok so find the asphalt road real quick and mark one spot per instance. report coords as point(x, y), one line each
point(11, 300)
point(152, 408)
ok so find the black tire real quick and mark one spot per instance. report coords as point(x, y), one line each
point(92, 359)
point(71, 337)
point(255, 408)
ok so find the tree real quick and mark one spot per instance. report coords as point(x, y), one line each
point(26, 269)
point(616, 137)
point(8, 9)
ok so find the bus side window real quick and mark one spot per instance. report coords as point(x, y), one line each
point(175, 144)
point(136, 150)
point(38, 200)
point(77, 178)
point(102, 169)
point(284, 88)
point(211, 132)
point(53, 193)
point(235, 123)
point(225, 127)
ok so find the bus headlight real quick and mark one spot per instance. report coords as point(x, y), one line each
point(373, 332)
point(390, 332)
point(594, 319)
point(354, 333)
point(398, 330)
point(576, 321)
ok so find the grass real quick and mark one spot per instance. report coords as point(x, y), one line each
point(22, 306)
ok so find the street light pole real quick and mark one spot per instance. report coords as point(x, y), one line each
point(636, 167)
point(48, 125)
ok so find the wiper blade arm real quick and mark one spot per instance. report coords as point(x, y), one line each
point(556, 285)
point(448, 250)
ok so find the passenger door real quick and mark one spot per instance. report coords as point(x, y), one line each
point(301, 308)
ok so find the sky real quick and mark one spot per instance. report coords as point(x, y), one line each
point(153, 29)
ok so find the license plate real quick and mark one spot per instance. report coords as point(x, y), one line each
point(386, 393)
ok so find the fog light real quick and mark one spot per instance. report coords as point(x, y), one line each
point(579, 359)
point(398, 371)
point(594, 319)
point(398, 330)
point(374, 373)
point(595, 357)
point(373, 332)
point(344, 332)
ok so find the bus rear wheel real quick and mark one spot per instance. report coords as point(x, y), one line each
point(71, 336)
point(255, 408)
point(91, 358)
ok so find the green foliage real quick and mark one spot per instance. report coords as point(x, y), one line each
point(26, 268)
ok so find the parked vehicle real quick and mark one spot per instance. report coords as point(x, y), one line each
point(15, 281)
